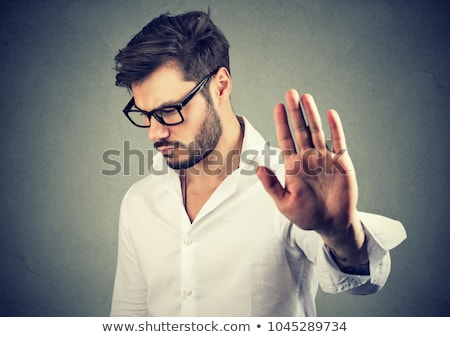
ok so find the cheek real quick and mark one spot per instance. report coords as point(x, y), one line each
point(185, 133)
point(192, 125)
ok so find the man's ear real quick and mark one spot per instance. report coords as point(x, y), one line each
point(222, 83)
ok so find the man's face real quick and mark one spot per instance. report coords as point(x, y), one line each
point(188, 143)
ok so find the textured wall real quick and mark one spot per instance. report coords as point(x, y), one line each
point(384, 65)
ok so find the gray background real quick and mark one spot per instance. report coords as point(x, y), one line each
point(384, 65)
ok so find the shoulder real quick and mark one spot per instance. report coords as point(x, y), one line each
point(144, 190)
point(137, 189)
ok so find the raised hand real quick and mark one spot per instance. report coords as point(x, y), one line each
point(320, 191)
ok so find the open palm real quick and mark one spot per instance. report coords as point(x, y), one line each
point(320, 191)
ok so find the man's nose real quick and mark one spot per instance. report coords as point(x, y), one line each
point(157, 131)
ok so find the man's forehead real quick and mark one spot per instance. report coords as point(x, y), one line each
point(164, 86)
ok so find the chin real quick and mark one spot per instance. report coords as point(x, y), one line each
point(183, 164)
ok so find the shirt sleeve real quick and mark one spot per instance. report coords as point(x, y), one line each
point(382, 233)
point(129, 294)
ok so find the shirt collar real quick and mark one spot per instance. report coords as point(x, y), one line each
point(252, 146)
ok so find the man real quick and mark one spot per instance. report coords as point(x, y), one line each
point(208, 237)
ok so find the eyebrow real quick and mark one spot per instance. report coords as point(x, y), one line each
point(161, 106)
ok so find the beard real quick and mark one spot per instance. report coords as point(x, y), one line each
point(204, 143)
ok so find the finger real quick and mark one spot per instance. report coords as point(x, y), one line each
point(284, 136)
point(337, 131)
point(271, 183)
point(314, 122)
point(299, 125)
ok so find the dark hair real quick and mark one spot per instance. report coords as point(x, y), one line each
point(190, 40)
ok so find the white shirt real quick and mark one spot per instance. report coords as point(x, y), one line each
point(239, 257)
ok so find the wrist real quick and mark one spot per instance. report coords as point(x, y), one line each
point(348, 246)
point(341, 262)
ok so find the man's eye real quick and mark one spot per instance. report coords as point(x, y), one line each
point(168, 111)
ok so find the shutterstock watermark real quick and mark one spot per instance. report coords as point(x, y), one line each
point(127, 160)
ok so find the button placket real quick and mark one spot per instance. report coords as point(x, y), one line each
point(187, 265)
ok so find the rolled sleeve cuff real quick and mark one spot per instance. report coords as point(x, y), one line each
point(382, 235)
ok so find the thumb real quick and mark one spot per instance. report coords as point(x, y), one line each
point(270, 182)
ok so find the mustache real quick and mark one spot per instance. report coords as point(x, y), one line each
point(191, 149)
point(160, 143)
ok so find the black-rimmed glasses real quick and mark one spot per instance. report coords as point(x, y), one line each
point(168, 115)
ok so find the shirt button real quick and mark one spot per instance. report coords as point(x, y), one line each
point(188, 292)
point(188, 242)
